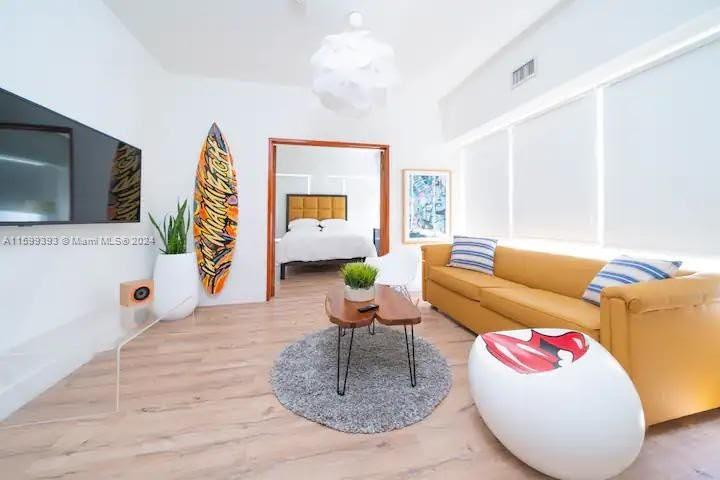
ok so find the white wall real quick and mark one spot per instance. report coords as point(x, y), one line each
point(76, 58)
point(333, 171)
point(576, 37)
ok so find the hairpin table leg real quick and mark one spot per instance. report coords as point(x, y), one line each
point(347, 363)
point(411, 365)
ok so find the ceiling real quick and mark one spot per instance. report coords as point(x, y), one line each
point(271, 41)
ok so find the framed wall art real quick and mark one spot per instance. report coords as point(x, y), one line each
point(426, 206)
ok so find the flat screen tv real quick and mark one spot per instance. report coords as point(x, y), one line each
point(54, 170)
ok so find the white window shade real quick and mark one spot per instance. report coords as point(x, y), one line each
point(555, 174)
point(663, 169)
point(486, 186)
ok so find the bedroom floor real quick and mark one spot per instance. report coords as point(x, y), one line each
point(196, 403)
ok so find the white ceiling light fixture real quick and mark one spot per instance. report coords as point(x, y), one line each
point(352, 70)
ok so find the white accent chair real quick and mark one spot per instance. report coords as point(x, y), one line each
point(397, 269)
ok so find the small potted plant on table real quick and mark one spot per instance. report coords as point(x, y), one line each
point(359, 281)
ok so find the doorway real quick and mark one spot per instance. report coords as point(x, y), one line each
point(383, 244)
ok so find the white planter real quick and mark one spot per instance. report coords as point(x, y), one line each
point(359, 294)
point(176, 279)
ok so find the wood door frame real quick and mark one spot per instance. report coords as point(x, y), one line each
point(272, 163)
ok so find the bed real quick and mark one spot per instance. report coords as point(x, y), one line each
point(316, 246)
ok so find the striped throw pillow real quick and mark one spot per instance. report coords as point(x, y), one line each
point(625, 270)
point(473, 253)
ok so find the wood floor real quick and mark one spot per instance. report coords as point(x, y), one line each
point(196, 404)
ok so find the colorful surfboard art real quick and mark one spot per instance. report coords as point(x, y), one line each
point(216, 211)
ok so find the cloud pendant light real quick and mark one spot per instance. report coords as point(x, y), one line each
point(352, 70)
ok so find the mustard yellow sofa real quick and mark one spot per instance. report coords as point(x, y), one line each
point(666, 333)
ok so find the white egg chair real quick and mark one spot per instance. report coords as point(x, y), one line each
point(558, 401)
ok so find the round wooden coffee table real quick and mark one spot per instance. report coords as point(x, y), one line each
point(394, 309)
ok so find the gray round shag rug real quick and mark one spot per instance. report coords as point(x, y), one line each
point(378, 397)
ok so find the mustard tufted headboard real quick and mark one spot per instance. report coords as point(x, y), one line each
point(315, 206)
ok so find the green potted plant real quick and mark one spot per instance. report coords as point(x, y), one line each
point(359, 281)
point(175, 274)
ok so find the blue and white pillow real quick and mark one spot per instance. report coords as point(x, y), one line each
point(473, 253)
point(626, 270)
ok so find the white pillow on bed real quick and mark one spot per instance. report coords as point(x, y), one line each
point(304, 224)
point(334, 224)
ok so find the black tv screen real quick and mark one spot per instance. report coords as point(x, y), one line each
point(56, 170)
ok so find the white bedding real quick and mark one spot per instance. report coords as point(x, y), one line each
point(312, 245)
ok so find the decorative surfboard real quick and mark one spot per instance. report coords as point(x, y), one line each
point(216, 211)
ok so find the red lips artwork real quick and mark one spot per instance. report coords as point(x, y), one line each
point(542, 353)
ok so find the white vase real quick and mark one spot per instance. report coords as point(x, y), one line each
point(176, 286)
point(359, 294)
